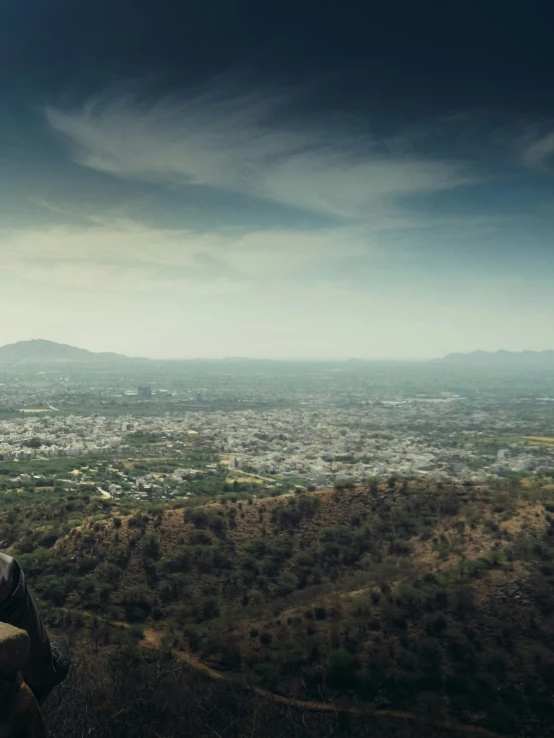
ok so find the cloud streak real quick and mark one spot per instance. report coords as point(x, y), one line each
point(239, 145)
point(121, 254)
point(539, 151)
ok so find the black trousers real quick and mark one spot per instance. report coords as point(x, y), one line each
point(18, 608)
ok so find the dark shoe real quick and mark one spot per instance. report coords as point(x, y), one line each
point(61, 658)
point(61, 655)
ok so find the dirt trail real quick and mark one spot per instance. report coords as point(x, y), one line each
point(154, 638)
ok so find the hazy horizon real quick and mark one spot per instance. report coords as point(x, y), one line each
point(283, 358)
point(263, 182)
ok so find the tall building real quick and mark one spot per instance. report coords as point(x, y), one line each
point(144, 390)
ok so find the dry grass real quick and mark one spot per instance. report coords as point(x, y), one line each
point(337, 508)
point(544, 440)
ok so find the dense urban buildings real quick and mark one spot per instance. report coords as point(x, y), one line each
point(277, 424)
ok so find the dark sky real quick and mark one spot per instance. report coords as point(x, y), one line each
point(411, 59)
point(278, 170)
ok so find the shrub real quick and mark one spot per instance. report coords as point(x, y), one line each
point(288, 517)
point(218, 527)
point(198, 518)
point(200, 538)
point(136, 521)
point(210, 608)
point(286, 584)
point(138, 602)
point(49, 540)
point(151, 547)
point(341, 670)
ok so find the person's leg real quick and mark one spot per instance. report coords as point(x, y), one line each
point(46, 668)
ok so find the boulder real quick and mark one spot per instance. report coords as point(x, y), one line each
point(20, 715)
point(14, 650)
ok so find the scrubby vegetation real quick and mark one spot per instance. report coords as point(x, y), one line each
point(119, 691)
point(436, 600)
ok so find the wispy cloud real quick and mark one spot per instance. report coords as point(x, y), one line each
point(538, 150)
point(122, 254)
point(242, 145)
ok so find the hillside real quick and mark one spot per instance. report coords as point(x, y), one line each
point(41, 351)
point(435, 600)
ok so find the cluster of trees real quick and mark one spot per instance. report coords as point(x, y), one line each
point(318, 594)
point(118, 691)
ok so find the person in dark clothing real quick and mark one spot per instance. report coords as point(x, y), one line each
point(49, 658)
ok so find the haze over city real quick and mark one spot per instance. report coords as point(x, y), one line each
point(282, 183)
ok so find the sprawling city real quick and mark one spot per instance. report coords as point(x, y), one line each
point(269, 426)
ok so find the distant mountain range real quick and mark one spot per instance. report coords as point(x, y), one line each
point(40, 351)
point(501, 358)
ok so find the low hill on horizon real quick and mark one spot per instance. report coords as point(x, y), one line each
point(502, 358)
point(38, 350)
